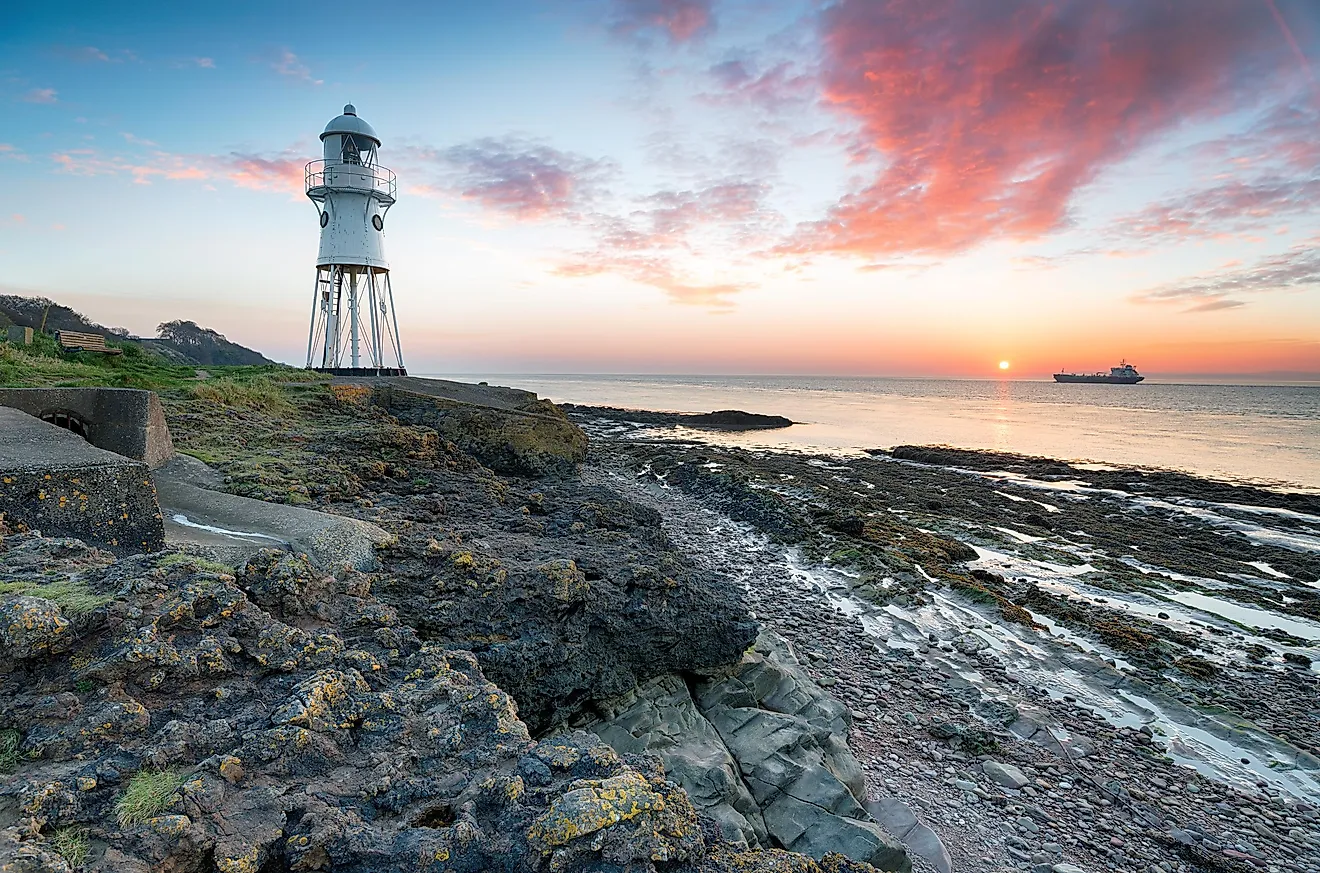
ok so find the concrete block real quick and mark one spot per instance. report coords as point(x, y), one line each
point(125, 421)
point(53, 481)
point(19, 335)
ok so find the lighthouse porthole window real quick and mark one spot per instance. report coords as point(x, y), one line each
point(325, 219)
point(377, 222)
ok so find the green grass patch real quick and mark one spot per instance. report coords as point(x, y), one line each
point(9, 742)
point(72, 844)
point(44, 364)
point(147, 795)
point(72, 596)
point(258, 393)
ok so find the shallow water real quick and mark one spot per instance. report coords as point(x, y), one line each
point(1263, 434)
point(1058, 661)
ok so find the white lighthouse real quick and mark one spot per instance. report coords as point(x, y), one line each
point(354, 327)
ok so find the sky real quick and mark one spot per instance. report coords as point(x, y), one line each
point(868, 187)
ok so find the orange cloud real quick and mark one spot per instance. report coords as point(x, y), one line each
point(983, 120)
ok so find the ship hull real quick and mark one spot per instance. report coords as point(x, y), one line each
point(1097, 379)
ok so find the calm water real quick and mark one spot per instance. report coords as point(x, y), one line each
point(1264, 434)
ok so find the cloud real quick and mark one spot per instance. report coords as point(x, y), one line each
point(1214, 305)
point(41, 95)
point(1293, 270)
point(258, 172)
point(980, 120)
point(1283, 137)
point(205, 63)
point(1227, 209)
point(655, 271)
point(779, 87)
point(10, 152)
point(136, 140)
point(264, 173)
point(286, 63)
point(519, 177)
point(680, 20)
point(712, 223)
point(85, 53)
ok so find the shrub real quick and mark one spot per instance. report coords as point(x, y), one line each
point(72, 845)
point(9, 740)
point(147, 795)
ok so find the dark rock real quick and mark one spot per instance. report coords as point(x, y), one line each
point(312, 732)
point(54, 481)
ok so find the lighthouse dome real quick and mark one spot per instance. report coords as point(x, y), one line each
point(350, 124)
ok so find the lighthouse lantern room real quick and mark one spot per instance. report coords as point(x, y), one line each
point(354, 330)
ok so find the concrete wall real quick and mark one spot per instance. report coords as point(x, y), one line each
point(125, 421)
point(54, 482)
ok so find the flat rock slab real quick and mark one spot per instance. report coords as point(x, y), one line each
point(233, 527)
point(53, 481)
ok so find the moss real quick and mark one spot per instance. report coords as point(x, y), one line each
point(205, 565)
point(71, 596)
point(72, 844)
point(9, 743)
point(147, 795)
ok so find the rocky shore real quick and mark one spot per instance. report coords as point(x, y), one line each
point(443, 710)
point(1030, 650)
point(661, 654)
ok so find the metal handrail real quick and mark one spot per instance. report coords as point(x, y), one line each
point(382, 180)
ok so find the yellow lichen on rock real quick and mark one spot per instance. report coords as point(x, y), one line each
point(594, 805)
point(567, 582)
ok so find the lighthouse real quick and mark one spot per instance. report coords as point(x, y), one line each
point(355, 331)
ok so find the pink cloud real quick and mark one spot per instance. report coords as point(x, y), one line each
point(979, 120)
point(680, 20)
point(518, 177)
point(1231, 208)
point(1296, 269)
point(244, 170)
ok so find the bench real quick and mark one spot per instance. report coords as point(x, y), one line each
point(73, 341)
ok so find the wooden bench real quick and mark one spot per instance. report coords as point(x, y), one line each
point(73, 341)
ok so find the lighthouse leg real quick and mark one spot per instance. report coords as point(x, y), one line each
point(316, 309)
point(378, 358)
point(394, 317)
point(333, 303)
point(353, 316)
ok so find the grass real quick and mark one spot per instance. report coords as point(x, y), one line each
point(9, 741)
point(259, 393)
point(72, 597)
point(147, 795)
point(72, 844)
point(44, 364)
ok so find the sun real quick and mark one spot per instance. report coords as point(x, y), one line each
point(1003, 365)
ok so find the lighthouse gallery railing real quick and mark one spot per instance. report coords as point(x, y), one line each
point(320, 174)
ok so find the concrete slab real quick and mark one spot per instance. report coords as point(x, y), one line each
point(233, 528)
point(126, 421)
point(54, 481)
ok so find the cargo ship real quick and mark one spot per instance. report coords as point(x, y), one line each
point(1123, 374)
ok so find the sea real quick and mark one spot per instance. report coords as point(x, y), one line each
point(1265, 435)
